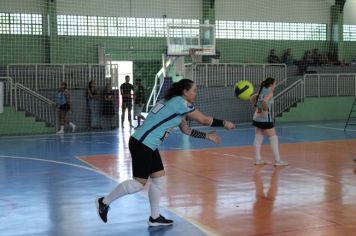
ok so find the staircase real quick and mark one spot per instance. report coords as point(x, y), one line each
point(25, 111)
point(14, 122)
point(318, 109)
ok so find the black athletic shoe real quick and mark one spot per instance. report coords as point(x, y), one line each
point(102, 209)
point(159, 221)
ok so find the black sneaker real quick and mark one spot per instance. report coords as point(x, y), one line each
point(159, 221)
point(102, 209)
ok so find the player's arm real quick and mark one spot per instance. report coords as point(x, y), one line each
point(90, 95)
point(143, 96)
point(122, 91)
point(266, 100)
point(210, 121)
point(253, 99)
point(212, 136)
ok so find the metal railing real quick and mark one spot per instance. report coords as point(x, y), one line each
point(227, 74)
point(288, 97)
point(49, 76)
point(8, 90)
point(37, 105)
point(323, 85)
point(315, 85)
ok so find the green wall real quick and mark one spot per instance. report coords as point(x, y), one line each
point(319, 109)
point(34, 49)
point(146, 71)
point(23, 49)
point(349, 51)
point(85, 49)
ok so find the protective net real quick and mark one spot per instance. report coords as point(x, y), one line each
point(44, 43)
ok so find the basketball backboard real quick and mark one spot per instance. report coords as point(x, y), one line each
point(182, 38)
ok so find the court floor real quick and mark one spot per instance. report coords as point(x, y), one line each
point(48, 184)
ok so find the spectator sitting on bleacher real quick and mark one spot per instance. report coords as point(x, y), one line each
point(353, 62)
point(287, 57)
point(304, 62)
point(273, 58)
point(332, 57)
point(316, 57)
point(343, 63)
point(307, 58)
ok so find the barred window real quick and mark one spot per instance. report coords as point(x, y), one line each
point(23, 24)
point(69, 25)
point(349, 32)
point(270, 30)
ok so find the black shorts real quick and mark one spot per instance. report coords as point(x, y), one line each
point(64, 107)
point(263, 125)
point(145, 161)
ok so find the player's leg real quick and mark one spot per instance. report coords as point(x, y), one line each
point(158, 180)
point(142, 159)
point(273, 139)
point(257, 145)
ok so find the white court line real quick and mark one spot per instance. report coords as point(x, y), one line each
point(96, 169)
point(232, 155)
point(325, 127)
point(66, 135)
point(115, 133)
point(204, 228)
point(300, 169)
point(313, 172)
point(57, 162)
point(241, 157)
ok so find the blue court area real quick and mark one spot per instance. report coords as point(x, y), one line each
point(287, 133)
point(47, 190)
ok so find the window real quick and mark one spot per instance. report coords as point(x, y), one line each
point(16, 23)
point(69, 25)
point(270, 30)
point(349, 32)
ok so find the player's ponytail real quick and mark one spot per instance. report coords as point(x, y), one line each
point(265, 84)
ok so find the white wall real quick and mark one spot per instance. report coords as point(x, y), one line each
point(350, 12)
point(301, 11)
point(134, 8)
point(23, 6)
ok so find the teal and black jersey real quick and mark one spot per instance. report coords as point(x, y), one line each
point(163, 117)
point(259, 115)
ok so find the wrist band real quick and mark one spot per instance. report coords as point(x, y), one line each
point(198, 134)
point(218, 123)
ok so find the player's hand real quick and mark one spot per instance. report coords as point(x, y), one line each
point(212, 136)
point(229, 125)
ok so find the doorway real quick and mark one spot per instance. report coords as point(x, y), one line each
point(124, 68)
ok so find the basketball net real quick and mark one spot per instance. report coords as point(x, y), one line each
point(196, 58)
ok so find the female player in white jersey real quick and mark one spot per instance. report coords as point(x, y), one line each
point(262, 120)
point(143, 145)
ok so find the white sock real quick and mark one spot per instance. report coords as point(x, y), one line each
point(258, 143)
point(274, 145)
point(127, 187)
point(62, 128)
point(72, 125)
point(154, 195)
